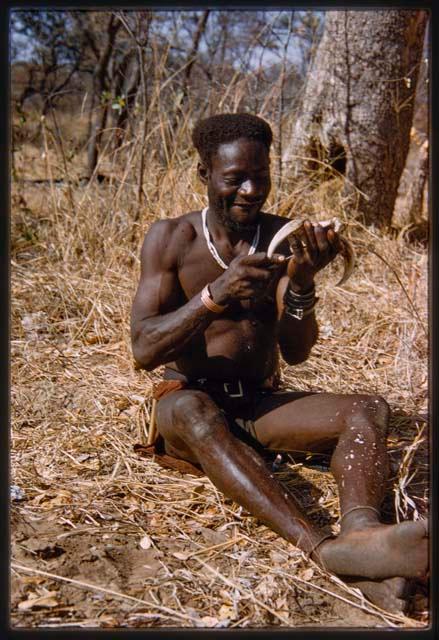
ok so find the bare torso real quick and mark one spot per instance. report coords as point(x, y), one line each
point(242, 342)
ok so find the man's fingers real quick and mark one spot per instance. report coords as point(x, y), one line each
point(277, 258)
point(309, 237)
point(321, 235)
point(253, 273)
point(261, 259)
point(297, 245)
point(334, 241)
point(256, 258)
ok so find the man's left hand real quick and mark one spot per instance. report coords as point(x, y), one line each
point(314, 247)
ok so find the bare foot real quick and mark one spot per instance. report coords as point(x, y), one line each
point(390, 594)
point(378, 551)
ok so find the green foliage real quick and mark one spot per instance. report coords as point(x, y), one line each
point(118, 103)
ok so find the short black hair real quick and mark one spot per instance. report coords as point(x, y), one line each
point(209, 133)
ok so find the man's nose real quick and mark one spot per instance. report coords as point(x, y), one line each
point(249, 188)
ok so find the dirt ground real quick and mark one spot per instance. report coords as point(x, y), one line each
point(101, 576)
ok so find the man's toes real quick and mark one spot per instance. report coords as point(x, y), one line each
point(424, 523)
point(412, 531)
point(390, 594)
point(399, 587)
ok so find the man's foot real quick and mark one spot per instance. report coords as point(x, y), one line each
point(378, 551)
point(390, 594)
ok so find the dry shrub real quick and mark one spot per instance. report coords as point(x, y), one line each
point(78, 407)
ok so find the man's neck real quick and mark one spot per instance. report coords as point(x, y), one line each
point(223, 231)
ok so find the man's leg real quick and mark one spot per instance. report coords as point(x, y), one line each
point(195, 429)
point(355, 428)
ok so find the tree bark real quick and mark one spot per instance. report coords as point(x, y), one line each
point(100, 84)
point(358, 106)
point(190, 61)
point(126, 85)
point(415, 196)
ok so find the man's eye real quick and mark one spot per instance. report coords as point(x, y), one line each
point(232, 181)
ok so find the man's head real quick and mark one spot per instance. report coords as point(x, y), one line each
point(210, 133)
point(235, 166)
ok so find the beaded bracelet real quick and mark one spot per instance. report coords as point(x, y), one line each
point(298, 305)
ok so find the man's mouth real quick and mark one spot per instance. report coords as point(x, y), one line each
point(247, 205)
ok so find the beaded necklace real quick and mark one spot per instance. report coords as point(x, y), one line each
point(212, 247)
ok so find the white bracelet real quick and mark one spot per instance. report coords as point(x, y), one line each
point(207, 300)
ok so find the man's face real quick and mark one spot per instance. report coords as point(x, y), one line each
point(238, 182)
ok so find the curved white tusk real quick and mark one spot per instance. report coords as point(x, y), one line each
point(285, 231)
point(347, 250)
point(348, 253)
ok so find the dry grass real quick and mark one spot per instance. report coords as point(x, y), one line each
point(78, 407)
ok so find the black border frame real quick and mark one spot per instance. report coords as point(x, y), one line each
point(173, 632)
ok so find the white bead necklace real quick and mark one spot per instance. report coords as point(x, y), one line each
point(212, 247)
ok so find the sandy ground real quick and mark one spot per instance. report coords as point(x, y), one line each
point(117, 583)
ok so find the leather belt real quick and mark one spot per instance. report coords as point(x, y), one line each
point(236, 388)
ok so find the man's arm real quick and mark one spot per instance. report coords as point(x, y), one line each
point(314, 249)
point(160, 328)
point(296, 337)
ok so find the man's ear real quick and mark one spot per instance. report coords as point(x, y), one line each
point(203, 172)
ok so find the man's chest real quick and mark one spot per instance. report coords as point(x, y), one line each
point(197, 267)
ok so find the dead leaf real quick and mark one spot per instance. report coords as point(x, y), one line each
point(277, 558)
point(198, 490)
point(107, 620)
point(33, 579)
point(83, 457)
point(47, 500)
point(211, 536)
point(137, 398)
point(266, 587)
point(225, 595)
point(180, 556)
point(226, 612)
point(207, 621)
point(145, 542)
point(281, 604)
point(47, 601)
point(306, 574)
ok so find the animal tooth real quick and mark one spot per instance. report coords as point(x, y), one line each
point(346, 248)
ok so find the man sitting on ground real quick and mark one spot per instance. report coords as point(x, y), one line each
point(217, 312)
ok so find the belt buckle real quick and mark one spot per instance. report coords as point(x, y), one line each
point(240, 393)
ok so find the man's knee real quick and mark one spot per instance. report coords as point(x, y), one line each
point(369, 412)
point(190, 414)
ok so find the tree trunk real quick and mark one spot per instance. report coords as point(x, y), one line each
point(127, 80)
point(358, 106)
point(100, 84)
point(201, 27)
point(190, 61)
point(415, 196)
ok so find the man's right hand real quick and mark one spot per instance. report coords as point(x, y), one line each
point(247, 277)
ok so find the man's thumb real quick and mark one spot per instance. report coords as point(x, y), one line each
point(278, 258)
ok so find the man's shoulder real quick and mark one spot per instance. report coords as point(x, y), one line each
point(168, 237)
point(181, 227)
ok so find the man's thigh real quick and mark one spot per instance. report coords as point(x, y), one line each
point(303, 421)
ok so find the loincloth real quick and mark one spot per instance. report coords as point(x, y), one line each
point(237, 399)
